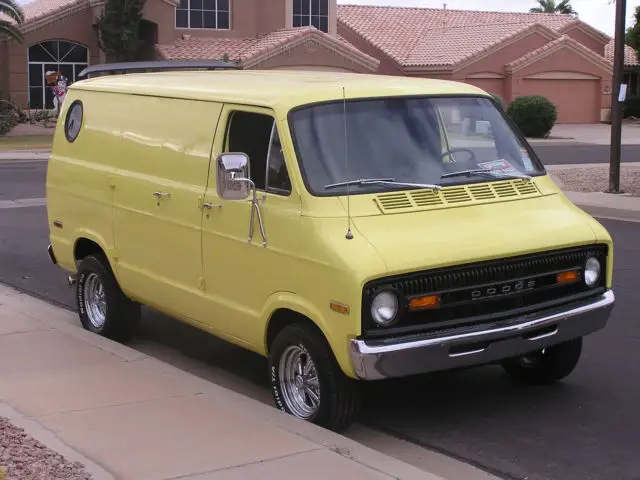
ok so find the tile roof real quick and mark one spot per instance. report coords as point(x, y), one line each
point(244, 50)
point(436, 37)
point(564, 39)
point(630, 58)
point(41, 8)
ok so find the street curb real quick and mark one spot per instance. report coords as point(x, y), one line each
point(245, 406)
point(611, 213)
point(25, 154)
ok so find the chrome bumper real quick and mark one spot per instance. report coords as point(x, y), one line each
point(375, 360)
point(52, 256)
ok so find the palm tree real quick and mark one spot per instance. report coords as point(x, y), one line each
point(551, 6)
point(11, 16)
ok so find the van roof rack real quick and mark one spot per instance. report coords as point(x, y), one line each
point(161, 65)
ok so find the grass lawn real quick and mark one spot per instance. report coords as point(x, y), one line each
point(26, 142)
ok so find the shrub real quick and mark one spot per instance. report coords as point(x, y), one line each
point(535, 115)
point(499, 100)
point(631, 107)
point(10, 116)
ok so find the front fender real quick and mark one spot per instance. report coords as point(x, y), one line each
point(336, 328)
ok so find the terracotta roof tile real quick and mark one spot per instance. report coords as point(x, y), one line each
point(244, 49)
point(437, 37)
point(630, 58)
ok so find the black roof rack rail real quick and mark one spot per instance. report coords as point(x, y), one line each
point(126, 67)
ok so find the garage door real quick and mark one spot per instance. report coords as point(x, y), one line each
point(577, 101)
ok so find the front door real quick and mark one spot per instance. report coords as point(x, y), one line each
point(158, 191)
point(239, 274)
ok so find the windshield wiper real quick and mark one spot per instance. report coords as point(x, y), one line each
point(484, 171)
point(382, 181)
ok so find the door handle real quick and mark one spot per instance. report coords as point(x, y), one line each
point(161, 194)
point(209, 205)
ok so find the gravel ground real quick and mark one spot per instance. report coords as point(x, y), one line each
point(596, 179)
point(24, 458)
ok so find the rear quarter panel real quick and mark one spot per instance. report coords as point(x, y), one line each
point(79, 195)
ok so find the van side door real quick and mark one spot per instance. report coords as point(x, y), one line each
point(161, 180)
point(241, 275)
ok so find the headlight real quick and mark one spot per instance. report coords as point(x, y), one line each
point(384, 308)
point(591, 271)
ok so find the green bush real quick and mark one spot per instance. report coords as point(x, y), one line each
point(499, 100)
point(631, 107)
point(535, 115)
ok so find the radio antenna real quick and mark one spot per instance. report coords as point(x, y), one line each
point(349, 234)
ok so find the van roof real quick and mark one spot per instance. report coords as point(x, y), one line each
point(271, 88)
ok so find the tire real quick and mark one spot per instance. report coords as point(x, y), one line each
point(115, 316)
point(338, 396)
point(539, 368)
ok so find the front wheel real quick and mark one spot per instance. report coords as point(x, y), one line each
point(547, 365)
point(307, 381)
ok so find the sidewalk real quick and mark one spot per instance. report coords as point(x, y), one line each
point(125, 415)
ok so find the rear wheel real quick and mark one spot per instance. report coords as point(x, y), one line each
point(103, 307)
point(545, 366)
point(307, 381)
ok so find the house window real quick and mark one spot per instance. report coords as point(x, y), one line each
point(66, 58)
point(213, 14)
point(311, 12)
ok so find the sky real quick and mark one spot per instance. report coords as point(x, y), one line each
point(601, 14)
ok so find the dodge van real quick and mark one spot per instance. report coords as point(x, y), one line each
point(348, 227)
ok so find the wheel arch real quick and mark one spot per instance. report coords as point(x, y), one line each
point(287, 308)
point(89, 243)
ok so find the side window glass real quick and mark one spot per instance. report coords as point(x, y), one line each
point(250, 133)
point(278, 181)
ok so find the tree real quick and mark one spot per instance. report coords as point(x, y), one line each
point(11, 26)
point(119, 29)
point(551, 6)
point(632, 37)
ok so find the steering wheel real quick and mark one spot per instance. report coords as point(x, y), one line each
point(454, 150)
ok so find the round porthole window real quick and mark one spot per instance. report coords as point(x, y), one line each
point(73, 121)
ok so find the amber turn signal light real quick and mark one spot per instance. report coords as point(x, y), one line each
point(568, 277)
point(428, 301)
point(339, 307)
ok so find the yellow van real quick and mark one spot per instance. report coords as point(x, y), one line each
point(348, 227)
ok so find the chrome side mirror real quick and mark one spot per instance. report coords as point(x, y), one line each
point(234, 183)
point(233, 176)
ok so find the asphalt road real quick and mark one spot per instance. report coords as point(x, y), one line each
point(586, 428)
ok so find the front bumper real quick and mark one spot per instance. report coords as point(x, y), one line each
point(52, 255)
point(379, 359)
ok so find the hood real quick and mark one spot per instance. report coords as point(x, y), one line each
point(438, 238)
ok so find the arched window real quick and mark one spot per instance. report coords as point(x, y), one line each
point(67, 58)
point(311, 12)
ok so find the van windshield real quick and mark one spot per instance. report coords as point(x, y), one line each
point(400, 143)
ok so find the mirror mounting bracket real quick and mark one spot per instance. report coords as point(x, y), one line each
point(255, 210)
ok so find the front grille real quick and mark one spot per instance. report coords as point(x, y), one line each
point(485, 292)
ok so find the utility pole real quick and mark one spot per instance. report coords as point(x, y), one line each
point(616, 105)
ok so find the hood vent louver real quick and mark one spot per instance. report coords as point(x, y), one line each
point(416, 200)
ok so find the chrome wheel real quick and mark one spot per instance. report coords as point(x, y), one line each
point(299, 382)
point(95, 300)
